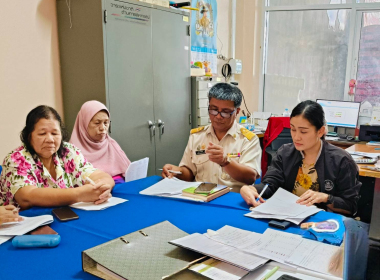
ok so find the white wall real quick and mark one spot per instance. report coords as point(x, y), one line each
point(29, 59)
point(29, 65)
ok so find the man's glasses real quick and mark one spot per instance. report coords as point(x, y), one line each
point(225, 115)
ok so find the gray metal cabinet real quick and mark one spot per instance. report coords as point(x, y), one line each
point(135, 58)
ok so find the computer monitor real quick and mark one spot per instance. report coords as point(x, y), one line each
point(340, 113)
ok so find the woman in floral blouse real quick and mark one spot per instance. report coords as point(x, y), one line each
point(46, 171)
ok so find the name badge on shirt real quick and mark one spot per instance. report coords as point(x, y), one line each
point(201, 152)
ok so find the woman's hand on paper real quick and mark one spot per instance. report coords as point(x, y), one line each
point(105, 191)
point(8, 214)
point(310, 197)
point(98, 193)
point(250, 194)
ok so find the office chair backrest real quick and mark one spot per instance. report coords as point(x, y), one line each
point(284, 138)
point(356, 247)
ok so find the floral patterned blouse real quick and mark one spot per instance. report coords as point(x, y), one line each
point(21, 169)
point(307, 179)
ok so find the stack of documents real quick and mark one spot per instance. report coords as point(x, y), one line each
point(9, 230)
point(362, 154)
point(170, 188)
point(373, 143)
point(203, 244)
point(249, 250)
point(282, 206)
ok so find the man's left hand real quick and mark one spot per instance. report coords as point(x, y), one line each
point(311, 197)
point(215, 153)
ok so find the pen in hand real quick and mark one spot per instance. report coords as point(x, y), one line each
point(172, 171)
point(262, 192)
point(90, 181)
point(258, 198)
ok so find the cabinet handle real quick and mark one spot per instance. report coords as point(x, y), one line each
point(152, 128)
point(161, 126)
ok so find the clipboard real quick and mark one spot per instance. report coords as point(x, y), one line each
point(142, 255)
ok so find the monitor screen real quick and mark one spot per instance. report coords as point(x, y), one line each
point(340, 113)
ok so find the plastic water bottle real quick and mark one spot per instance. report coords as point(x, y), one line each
point(286, 113)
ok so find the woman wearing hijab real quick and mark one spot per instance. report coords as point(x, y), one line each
point(90, 135)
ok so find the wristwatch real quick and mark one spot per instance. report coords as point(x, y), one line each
point(226, 161)
point(330, 199)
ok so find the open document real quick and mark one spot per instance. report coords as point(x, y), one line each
point(282, 206)
point(169, 187)
point(137, 170)
point(8, 230)
point(229, 244)
point(91, 206)
point(209, 247)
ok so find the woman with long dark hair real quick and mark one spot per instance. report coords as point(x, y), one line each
point(319, 173)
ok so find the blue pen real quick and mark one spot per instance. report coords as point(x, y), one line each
point(377, 148)
point(262, 192)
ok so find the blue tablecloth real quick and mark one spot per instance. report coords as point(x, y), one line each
point(96, 227)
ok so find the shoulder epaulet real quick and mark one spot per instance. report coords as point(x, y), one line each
point(248, 134)
point(195, 130)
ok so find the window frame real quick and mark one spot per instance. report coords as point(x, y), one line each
point(356, 13)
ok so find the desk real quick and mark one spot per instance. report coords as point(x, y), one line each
point(370, 190)
point(96, 227)
point(344, 144)
point(365, 149)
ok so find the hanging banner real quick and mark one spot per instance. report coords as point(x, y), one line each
point(203, 35)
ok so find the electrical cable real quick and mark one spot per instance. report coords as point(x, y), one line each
point(245, 104)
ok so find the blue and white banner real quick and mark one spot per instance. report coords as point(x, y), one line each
point(203, 34)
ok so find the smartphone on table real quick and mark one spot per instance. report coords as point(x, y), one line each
point(65, 214)
point(205, 188)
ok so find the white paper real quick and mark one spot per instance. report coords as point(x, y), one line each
point(218, 270)
point(284, 269)
point(92, 206)
point(375, 118)
point(237, 238)
point(313, 255)
point(5, 238)
point(282, 206)
point(28, 224)
point(277, 245)
point(370, 155)
point(202, 244)
point(170, 186)
point(137, 170)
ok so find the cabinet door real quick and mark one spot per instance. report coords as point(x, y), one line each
point(171, 70)
point(128, 51)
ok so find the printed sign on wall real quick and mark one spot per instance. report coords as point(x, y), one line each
point(203, 35)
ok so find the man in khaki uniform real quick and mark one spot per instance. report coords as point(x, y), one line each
point(224, 152)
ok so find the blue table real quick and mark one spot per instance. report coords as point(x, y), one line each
point(96, 227)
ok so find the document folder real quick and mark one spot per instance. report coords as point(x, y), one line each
point(141, 255)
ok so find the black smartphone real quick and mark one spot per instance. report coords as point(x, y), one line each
point(288, 277)
point(65, 214)
point(279, 224)
point(205, 188)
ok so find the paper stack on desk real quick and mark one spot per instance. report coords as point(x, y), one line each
point(8, 230)
point(282, 206)
point(249, 250)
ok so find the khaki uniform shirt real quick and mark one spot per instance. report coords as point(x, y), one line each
point(237, 140)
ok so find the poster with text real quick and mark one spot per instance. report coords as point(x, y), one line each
point(203, 35)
